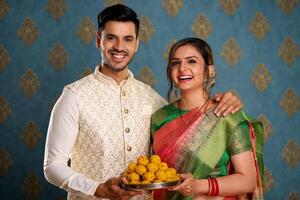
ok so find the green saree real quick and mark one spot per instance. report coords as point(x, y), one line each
point(204, 146)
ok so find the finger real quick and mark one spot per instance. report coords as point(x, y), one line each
point(237, 108)
point(227, 110)
point(218, 96)
point(223, 105)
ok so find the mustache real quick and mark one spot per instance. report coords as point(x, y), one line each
point(117, 51)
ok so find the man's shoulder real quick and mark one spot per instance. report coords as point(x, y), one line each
point(80, 82)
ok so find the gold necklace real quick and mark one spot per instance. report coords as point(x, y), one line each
point(198, 110)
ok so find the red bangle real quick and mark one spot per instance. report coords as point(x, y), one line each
point(213, 187)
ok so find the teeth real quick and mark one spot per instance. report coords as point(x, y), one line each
point(118, 56)
point(185, 77)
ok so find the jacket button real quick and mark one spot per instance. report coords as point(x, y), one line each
point(126, 111)
point(127, 130)
point(123, 93)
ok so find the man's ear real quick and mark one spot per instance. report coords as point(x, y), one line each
point(137, 44)
point(98, 39)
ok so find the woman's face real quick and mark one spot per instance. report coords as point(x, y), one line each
point(187, 68)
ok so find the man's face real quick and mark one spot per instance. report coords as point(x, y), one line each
point(118, 44)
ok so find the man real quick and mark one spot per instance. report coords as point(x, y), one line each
point(102, 121)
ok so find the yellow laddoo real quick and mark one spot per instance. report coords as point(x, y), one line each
point(143, 160)
point(163, 166)
point(134, 177)
point(148, 176)
point(131, 167)
point(152, 167)
point(140, 169)
point(145, 182)
point(155, 159)
point(160, 175)
point(134, 182)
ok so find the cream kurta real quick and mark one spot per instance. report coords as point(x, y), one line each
point(102, 127)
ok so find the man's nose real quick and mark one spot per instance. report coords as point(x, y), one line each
point(119, 45)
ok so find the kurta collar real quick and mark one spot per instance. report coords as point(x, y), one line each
point(108, 80)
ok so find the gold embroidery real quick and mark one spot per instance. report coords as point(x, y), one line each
point(5, 110)
point(231, 52)
point(287, 5)
point(87, 71)
point(146, 29)
point(4, 8)
point(146, 76)
point(28, 31)
point(291, 153)
point(112, 2)
point(230, 6)
point(172, 6)
point(261, 77)
point(32, 187)
point(30, 135)
point(290, 102)
point(5, 162)
point(57, 8)
point(288, 51)
point(86, 30)
point(267, 127)
point(259, 26)
point(4, 58)
point(29, 82)
point(166, 53)
point(58, 56)
point(268, 181)
point(201, 27)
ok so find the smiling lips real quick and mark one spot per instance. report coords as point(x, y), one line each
point(118, 56)
point(185, 78)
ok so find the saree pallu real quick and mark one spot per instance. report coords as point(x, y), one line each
point(198, 146)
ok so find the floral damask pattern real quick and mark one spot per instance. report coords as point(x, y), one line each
point(146, 76)
point(57, 8)
point(168, 48)
point(201, 27)
point(30, 135)
point(5, 162)
point(112, 2)
point(231, 52)
point(261, 77)
point(86, 30)
point(291, 153)
point(5, 109)
point(58, 56)
point(268, 181)
point(146, 29)
point(4, 8)
point(293, 196)
point(32, 187)
point(287, 6)
point(172, 6)
point(259, 26)
point(29, 83)
point(290, 102)
point(289, 51)
point(268, 130)
point(4, 58)
point(28, 31)
point(86, 71)
point(230, 6)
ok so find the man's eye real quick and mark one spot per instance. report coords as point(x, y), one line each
point(110, 38)
point(128, 39)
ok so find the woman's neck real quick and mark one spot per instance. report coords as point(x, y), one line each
point(192, 99)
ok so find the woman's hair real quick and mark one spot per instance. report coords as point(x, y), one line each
point(120, 13)
point(200, 45)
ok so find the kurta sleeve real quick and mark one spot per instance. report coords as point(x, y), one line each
point(61, 137)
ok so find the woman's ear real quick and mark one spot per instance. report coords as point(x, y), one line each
point(211, 72)
point(98, 39)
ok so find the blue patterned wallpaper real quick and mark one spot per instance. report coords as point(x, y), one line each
point(46, 44)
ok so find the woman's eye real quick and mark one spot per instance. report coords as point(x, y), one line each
point(192, 61)
point(174, 63)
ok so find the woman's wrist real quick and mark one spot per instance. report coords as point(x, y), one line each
point(201, 186)
point(100, 191)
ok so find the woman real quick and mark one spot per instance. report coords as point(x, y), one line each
point(219, 158)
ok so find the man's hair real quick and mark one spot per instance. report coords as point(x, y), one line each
point(118, 12)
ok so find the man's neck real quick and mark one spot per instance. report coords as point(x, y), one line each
point(118, 76)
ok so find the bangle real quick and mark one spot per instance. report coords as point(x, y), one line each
point(213, 187)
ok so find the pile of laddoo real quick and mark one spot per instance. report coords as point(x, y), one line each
point(150, 170)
